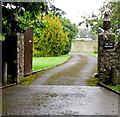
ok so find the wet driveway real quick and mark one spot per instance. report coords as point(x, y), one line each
point(59, 100)
point(74, 72)
point(48, 95)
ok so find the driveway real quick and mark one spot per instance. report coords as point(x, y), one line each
point(74, 72)
point(59, 100)
point(61, 91)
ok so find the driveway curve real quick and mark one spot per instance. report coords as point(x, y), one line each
point(75, 71)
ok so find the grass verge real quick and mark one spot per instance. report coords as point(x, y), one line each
point(79, 52)
point(93, 54)
point(92, 81)
point(42, 63)
point(29, 79)
point(46, 62)
point(95, 81)
point(116, 88)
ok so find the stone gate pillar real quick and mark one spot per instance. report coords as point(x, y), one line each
point(106, 52)
point(20, 57)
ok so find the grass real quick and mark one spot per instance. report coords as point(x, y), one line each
point(46, 62)
point(78, 52)
point(116, 88)
point(93, 54)
point(42, 63)
point(93, 81)
point(28, 79)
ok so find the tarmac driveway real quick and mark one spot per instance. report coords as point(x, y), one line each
point(59, 100)
point(74, 72)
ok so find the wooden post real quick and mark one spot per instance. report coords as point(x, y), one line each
point(5, 73)
point(113, 75)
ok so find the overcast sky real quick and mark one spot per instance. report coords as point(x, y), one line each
point(77, 8)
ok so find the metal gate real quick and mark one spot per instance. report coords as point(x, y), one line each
point(28, 39)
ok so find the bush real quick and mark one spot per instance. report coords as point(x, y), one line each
point(36, 53)
point(67, 47)
point(52, 40)
point(72, 31)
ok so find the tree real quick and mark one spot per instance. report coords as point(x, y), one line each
point(82, 33)
point(54, 11)
point(115, 18)
point(13, 11)
point(94, 22)
point(68, 27)
point(51, 40)
point(72, 31)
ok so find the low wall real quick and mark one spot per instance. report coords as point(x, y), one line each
point(85, 46)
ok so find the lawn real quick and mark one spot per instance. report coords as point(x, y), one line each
point(46, 62)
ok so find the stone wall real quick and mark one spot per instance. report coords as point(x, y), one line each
point(85, 46)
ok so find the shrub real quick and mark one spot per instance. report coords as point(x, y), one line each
point(52, 39)
point(36, 53)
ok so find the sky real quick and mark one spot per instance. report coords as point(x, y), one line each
point(77, 8)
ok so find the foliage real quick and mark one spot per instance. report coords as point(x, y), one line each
point(68, 27)
point(96, 21)
point(54, 11)
point(72, 31)
point(51, 39)
point(113, 9)
point(115, 18)
point(12, 11)
point(83, 33)
point(93, 22)
point(36, 53)
point(17, 16)
point(2, 37)
point(46, 62)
